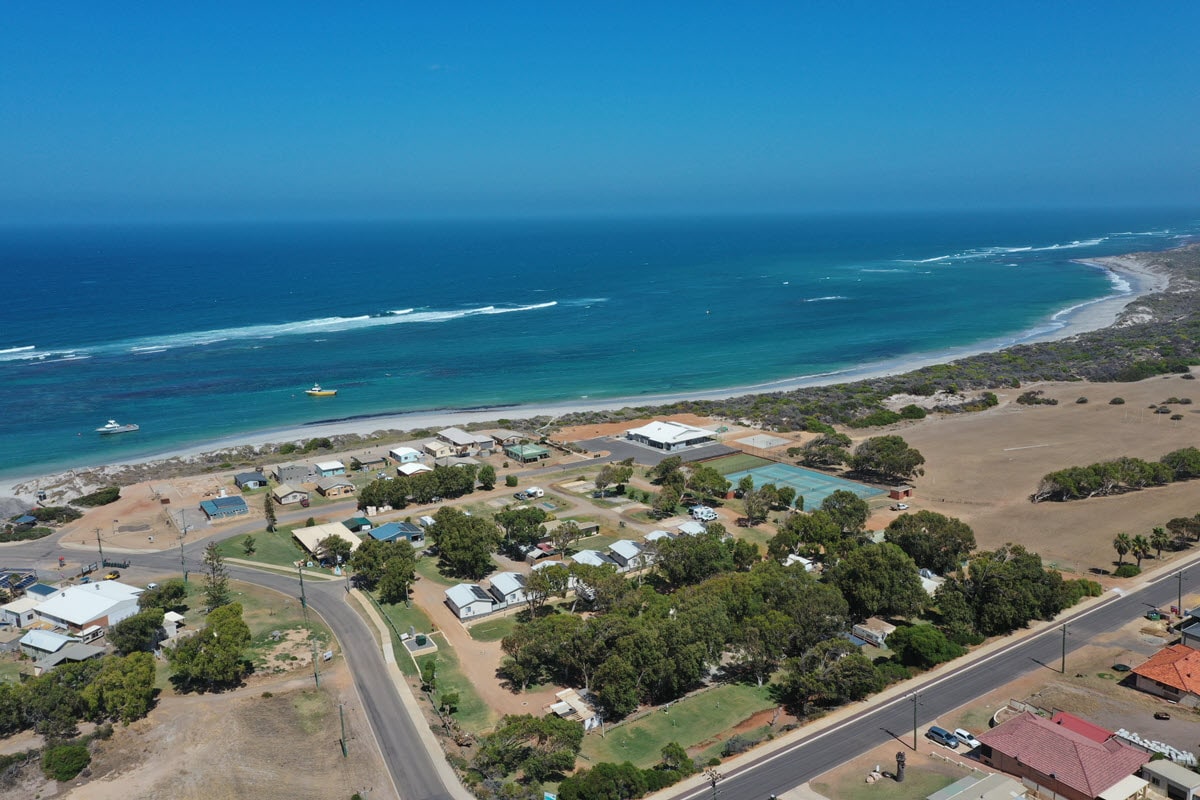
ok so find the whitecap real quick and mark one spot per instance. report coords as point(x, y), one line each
point(824, 299)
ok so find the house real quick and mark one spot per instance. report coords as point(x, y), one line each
point(295, 473)
point(102, 603)
point(249, 480)
point(285, 494)
point(1171, 779)
point(571, 705)
point(1065, 757)
point(37, 644)
point(658, 536)
point(438, 449)
point(930, 581)
point(357, 524)
point(404, 455)
point(19, 612)
point(426, 521)
point(464, 443)
point(793, 559)
point(508, 588)
point(669, 436)
point(691, 528)
point(504, 437)
point(468, 600)
point(327, 469)
point(525, 453)
point(310, 537)
point(335, 486)
point(873, 631)
point(73, 652)
point(627, 555)
point(393, 531)
point(410, 468)
point(593, 559)
point(370, 461)
point(224, 507)
point(982, 786)
point(172, 621)
point(1172, 673)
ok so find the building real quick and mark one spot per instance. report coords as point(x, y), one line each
point(1173, 780)
point(295, 473)
point(1064, 757)
point(369, 461)
point(335, 486)
point(224, 507)
point(658, 536)
point(285, 494)
point(404, 455)
point(39, 644)
point(508, 589)
point(410, 468)
point(572, 705)
point(593, 558)
point(1172, 673)
point(42, 591)
point(438, 449)
point(793, 559)
point(73, 652)
point(393, 531)
point(526, 453)
point(627, 555)
point(873, 631)
point(900, 492)
point(982, 786)
point(691, 528)
point(469, 600)
point(327, 469)
point(466, 444)
point(102, 603)
point(358, 524)
point(669, 435)
point(311, 536)
point(249, 480)
point(505, 437)
point(19, 613)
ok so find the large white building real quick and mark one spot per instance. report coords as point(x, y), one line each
point(101, 603)
point(669, 435)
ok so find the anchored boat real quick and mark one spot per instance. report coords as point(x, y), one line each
point(317, 391)
point(112, 426)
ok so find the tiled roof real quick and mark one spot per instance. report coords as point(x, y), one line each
point(1177, 666)
point(1058, 749)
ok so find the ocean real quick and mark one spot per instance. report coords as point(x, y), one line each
point(201, 332)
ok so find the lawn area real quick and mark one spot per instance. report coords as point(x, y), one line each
point(10, 670)
point(276, 547)
point(493, 630)
point(427, 568)
point(473, 714)
point(756, 535)
point(918, 784)
point(689, 722)
point(738, 463)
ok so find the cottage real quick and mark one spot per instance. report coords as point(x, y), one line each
point(468, 600)
point(102, 603)
point(404, 455)
point(394, 531)
point(73, 652)
point(1172, 673)
point(38, 644)
point(335, 486)
point(508, 589)
point(249, 480)
point(370, 461)
point(873, 631)
point(526, 453)
point(327, 469)
point(410, 468)
point(310, 538)
point(224, 507)
point(627, 555)
point(504, 437)
point(670, 436)
point(593, 558)
point(438, 449)
point(285, 494)
point(658, 536)
point(793, 559)
point(691, 528)
point(1064, 756)
point(295, 473)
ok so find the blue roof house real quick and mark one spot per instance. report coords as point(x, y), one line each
point(394, 531)
point(224, 507)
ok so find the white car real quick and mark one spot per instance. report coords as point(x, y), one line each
point(900, 507)
point(966, 738)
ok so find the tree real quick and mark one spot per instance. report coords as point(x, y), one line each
point(760, 642)
point(1140, 547)
point(566, 534)
point(216, 578)
point(398, 575)
point(487, 477)
point(1005, 589)
point(1122, 543)
point(334, 549)
point(757, 505)
point(522, 526)
point(879, 579)
point(746, 484)
point(248, 546)
point(124, 689)
point(666, 502)
point(540, 747)
point(166, 596)
point(552, 580)
point(429, 675)
point(691, 559)
point(707, 482)
point(888, 457)
point(922, 646)
point(605, 781)
point(465, 543)
point(676, 758)
point(812, 533)
point(1159, 540)
point(448, 703)
point(140, 632)
point(269, 511)
point(934, 541)
point(214, 657)
point(388, 566)
point(664, 470)
point(825, 452)
point(848, 510)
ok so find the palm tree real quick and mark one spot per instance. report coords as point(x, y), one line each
point(1122, 544)
point(1141, 548)
point(1159, 539)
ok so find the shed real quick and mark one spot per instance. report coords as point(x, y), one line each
point(357, 524)
point(593, 558)
point(571, 705)
point(505, 436)
point(525, 453)
point(19, 612)
point(900, 492)
point(1171, 779)
point(249, 480)
point(25, 519)
point(410, 468)
point(224, 507)
point(468, 600)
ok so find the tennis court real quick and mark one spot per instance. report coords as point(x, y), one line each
point(814, 487)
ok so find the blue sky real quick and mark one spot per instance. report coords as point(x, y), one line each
point(362, 110)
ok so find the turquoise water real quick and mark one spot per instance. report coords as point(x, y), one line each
point(814, 487)
point(209, 331)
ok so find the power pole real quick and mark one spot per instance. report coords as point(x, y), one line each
point(100, 546)
point(316, 670)
point(1179, 607)
point(183, 529)
point(914, 699)
point(303, 598)
point(342, 712)
point(1063, 668)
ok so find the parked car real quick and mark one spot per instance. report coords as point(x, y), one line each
point(112, 576)
point(900, 507)
point(942, 737)
point(966, 738)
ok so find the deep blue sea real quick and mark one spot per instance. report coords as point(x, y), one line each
point(199, 332)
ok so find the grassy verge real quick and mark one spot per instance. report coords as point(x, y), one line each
point(691, 722)
point(493, 630)
point(473, 714)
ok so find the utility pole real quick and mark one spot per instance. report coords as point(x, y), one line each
point(316, 670)
point(1179, 607)
point(303, 598)
point(183, 529)
point(1063, 668)
point(713, 776)
point(342, 712)
point(914, 699)
point(100, 546)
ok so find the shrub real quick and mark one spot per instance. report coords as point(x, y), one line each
point(510, 480)
point(1177, 416)
point(1081, 401)
point(1162, 410)
point(1127, 571)
point(1187, 376)
point(1117, 401)
point(287, 449)
point(24, 534)
point(912, 412)
point(100, 497)
point(64, 762)
point(891, 672)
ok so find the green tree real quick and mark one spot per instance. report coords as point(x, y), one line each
point(487, 477)
point(847, 509)
point(707, 482)
point(812, 533)
point(605, 781)
point(539, 747)
point(429, 675)
point(523, 527)
point(826, 452)
point(334, 549)
point(676, 758)
point(691, 559)
point(216, 578)
point(124, 689)
point(565, 535)
point(879, 579)
point(1159, 540)
point(1122, 543)
point(398, 575)
point(269, 511)
point(167, 595)
point(465, 543)
point(663, 471)
point(63, 762)
point(760, 642)
point(934, 541)
point(922, 646)
point(1140, 547)
point(140, 632)
point(666, 502)
point(757, 505)
point(248, 545)
point(214, 658)
point(746, 484)
point(888, 457)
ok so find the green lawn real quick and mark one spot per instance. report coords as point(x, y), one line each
point(493, 630)
point(738, 463)
point(473, 714)
point(759, 536)
point(918, 784)
point(689, 722)
point(427, 568)
point(275, 547)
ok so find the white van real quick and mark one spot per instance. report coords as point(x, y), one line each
point(534, 491)
point(703, 514)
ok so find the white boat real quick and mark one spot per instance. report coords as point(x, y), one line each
point(317, 391)
point(112, 426)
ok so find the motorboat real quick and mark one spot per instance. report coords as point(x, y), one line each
point(112, 426)
point(317, 391)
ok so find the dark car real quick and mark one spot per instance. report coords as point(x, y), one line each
point(942, 736)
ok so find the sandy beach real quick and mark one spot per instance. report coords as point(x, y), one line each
point(1141, 277)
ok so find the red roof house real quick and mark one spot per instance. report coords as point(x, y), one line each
point(1065, 755)
point(1173, 673)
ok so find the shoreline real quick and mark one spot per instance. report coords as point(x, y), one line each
point(1141, 277)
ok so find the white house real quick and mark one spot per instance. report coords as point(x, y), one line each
point(593, 558)
point(465, 443)
point(627, 555)
point(286, 494)
point(793, 559)
point(691, 528)
point(19, 612)
point(404, 455)
point(658, 536)
point(410, 468)
point(669, 435)
point(469, 600)
point(508, 588)
point(102, 603)
point(327, 469)
point(571, 705)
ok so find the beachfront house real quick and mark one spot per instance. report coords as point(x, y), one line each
point(335, 486)
point(438, 449)
point(469, 600)
point(504, 437)
point(224, 507)
point(404, 455)
point(249, 480)
point(327, 469)
point(370, 461)
point(526, 453)
point(295, 473)
point(466, 444)
point(285, 494)
point(669, 436)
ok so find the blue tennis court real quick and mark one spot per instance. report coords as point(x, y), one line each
point(814, 487)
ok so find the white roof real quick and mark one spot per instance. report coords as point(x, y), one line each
point(795, 559)
point(654, 536)
point(398, 452)
point(544, 564)
point(79, 605)
point(21, 604)
point(1129, 786)
point(173, 616)
point(508, 582)
point(691, 528)
point(625, 548)
point(463, 594)
point(670, 432)
point(46, 641)
point(412, 468)
point(325, 465)
point(457, 436)
point(592, 558)
point(311, 537)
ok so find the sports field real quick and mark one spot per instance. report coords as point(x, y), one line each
point(814, 487)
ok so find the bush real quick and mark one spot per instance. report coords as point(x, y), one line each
point(1177, 416)
point(1187, 376)
point(510, 480)
point(1081, 401)
point(1128, 571)
point(287, 449)
point(100, 497)
point(24, 534)
point(1117, 401)
point(64, 762)
point(913, 412)
point(892, 672)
